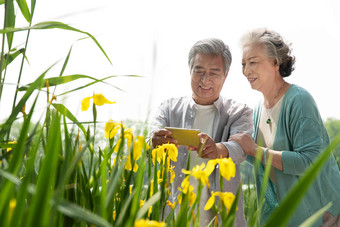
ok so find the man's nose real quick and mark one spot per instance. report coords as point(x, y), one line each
point(204, 78)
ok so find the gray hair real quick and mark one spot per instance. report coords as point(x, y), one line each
point(276, 48)
point(211, 46)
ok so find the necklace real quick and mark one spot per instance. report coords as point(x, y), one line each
point(269, 111)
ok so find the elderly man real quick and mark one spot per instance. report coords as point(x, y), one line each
point(216, 117)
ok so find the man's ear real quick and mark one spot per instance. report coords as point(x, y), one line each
point(226, 74)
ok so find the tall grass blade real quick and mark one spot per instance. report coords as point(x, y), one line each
point(40, 208)
point(16, 163)
point(26, 187)
point(291, 201)
point(64, 111)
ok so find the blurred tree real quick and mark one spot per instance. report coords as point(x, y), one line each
point(333, 129)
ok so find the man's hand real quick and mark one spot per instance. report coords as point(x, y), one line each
point(162, 136)
point(209, 149)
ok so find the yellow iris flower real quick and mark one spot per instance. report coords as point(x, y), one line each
point(149, 223)
point(199, 174)
point(227, 199)
point(98, 99)
point(160, 153)
point(111, 128)
point(136, 153)
point(187, 188)
point(227, 167)
point(171, 205)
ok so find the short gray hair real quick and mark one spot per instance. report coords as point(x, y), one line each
point(211, 46)
point(276, 48)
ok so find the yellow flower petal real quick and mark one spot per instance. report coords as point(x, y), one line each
point(111, 129)
point(210, 203)
point(99, 100)
point(227, 168)
point(210, 166)
point(85, 104)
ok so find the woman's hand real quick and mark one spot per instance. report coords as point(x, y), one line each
point(246, 142)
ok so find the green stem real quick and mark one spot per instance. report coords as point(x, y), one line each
point(21, 66)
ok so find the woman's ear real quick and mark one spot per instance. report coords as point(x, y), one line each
point(277, 66)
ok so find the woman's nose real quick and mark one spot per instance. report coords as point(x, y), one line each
point(246, 70)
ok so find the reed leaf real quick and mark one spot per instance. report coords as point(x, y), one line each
point(9, 21)
point(24, 10)
point(51, 25)
point(54, 81)
point(65, 62)
point(64, 111)
point(77, 212)
point(9, 57)
point(292, 199)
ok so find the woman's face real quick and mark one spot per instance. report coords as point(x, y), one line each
point(258, 68)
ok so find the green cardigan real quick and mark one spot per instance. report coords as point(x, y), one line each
point(301, 136)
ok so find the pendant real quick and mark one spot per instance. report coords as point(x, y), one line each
point(268, 121)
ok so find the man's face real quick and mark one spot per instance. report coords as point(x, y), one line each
point(207, 78)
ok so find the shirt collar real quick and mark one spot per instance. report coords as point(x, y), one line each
point(217, 103)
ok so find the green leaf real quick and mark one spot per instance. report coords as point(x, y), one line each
point(64, 111)
point(77, 212)
point(58, 25)
point(54, 81)
point(65, 62)
point(288, 205)
point(40, 206)
point(145, 208)
point(24, 10)
point(7, 125)
point(16, 161)
point(9, 21)
point(9, 57)
point(312, 219)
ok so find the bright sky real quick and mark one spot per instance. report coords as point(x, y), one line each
point(152, 39)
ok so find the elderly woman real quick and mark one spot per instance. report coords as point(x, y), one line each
point(288, 126)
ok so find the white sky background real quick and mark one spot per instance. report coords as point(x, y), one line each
point(152, 39)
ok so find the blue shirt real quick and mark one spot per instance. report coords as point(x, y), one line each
point(301, 136)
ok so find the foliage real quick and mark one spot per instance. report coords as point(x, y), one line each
point(61, 172)
point(333, 129)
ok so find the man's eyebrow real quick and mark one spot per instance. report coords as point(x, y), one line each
point(198, 67)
